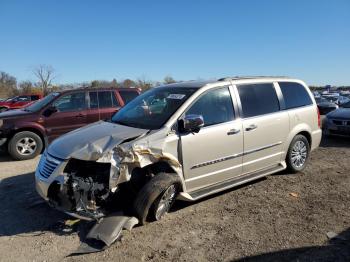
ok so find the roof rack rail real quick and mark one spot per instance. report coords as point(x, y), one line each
point(248, 77)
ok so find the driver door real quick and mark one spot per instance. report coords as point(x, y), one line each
point(71, 114)
point(214, 154)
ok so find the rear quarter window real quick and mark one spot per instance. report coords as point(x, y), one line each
point(294, 95)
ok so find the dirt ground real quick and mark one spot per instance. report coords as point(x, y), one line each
point(281, 218)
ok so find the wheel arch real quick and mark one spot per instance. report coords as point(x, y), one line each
point(33, 130)
point(302, 129)
point(160, 167)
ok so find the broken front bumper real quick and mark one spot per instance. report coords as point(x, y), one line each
point(51, 184)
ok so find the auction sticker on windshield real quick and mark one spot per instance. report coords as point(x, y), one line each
point(176, 96)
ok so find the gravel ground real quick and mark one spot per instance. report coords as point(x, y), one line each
point(281, 218)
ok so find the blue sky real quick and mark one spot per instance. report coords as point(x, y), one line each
point(86, 40)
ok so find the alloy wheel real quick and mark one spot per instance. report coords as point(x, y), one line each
point(26, 146)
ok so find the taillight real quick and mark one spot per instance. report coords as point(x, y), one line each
point(318, 118)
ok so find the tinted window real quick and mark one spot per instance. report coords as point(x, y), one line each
point(71, 102)
point(34, 97)
point(215, 106)
point(258, 99)
point(105, 99)
point(294, 95)
point(93, 100)
point(127, 96)
point(22, 98)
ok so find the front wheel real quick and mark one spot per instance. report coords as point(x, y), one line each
point(156, 197)
point(25, 145)
point(298, 154)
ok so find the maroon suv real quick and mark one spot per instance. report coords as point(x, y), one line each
point(28, 130)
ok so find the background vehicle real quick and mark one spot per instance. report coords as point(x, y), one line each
point(325, 105)
point(19, 101)
point(27, 131)
point(183, 140)
point(338, 122)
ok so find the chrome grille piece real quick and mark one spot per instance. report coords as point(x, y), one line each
point(47, 165)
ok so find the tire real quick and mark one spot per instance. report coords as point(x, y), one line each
point(25, 145)
point(150, 196)
point(298, 154)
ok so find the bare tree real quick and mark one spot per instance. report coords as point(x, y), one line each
point(169, 80)
point(144, 84)
point(8, 85)
point(128, 83)
point(26, 87)
point(45, 75)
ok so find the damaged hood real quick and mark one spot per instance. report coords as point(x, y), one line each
point(93, 141)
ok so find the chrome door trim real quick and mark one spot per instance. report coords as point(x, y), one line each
point(262, 148)
point(218, 160)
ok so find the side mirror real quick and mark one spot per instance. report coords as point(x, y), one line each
point(191, 123)
point(49, 111)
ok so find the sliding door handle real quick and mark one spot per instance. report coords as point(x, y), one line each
point(251, 127)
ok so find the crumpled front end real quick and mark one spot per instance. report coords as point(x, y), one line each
point(77, 187)
point(88, 184)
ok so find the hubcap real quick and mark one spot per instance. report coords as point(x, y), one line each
point(299, 154)
point(26, 146)
point(166, 201)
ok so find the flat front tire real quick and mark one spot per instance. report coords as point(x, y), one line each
point(25, 145)
point(156, 197)
point(298, 154)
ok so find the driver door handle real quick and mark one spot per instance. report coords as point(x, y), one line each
point(233, 131)
point(80, 115)
point(251, 127)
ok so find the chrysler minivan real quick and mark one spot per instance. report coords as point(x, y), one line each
point(182, 141)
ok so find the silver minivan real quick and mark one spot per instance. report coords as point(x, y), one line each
point(181, 141)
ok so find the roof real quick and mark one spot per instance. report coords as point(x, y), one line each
point(199, 84)
point(96, 89)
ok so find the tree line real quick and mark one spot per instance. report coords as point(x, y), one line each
point(45, 76)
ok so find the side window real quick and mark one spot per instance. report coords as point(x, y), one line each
point(127, 96)
point(71, 102)
point(294, 95)
point(23, 98)
point(258, 99)
point(105, 99)
point(93, 100)
point(215, 106)
point(34, 97)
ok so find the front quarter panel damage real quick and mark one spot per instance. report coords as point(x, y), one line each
point(161, 146)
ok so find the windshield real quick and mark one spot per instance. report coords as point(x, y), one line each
point(36, 106)
point(153, 108)
point(10, 99)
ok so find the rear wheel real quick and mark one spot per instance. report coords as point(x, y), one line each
point(25, 145)
point(156, 197)
point(298, 154)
